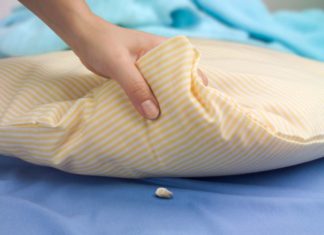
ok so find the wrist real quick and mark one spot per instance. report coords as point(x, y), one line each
point(87, 31)
point(77, 28)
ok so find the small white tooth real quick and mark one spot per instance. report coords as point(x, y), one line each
point(163, 193)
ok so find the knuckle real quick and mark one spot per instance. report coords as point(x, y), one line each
point(119, 55)
point(138, 90)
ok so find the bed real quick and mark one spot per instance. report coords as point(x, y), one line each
point(39, 200)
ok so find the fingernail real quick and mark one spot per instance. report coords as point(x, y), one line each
point(203, 77)
point(150, 110)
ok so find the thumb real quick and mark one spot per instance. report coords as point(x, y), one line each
point(137, 89)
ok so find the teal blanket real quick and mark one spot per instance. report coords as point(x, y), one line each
point(249, 21)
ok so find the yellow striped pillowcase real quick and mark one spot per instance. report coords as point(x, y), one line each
point(261, 110)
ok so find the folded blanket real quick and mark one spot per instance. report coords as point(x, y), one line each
point(22, 33)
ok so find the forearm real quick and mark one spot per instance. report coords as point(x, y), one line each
point(68, 18)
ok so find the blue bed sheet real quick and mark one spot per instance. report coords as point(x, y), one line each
point(39, 200)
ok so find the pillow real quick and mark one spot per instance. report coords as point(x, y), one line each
point(261, 110)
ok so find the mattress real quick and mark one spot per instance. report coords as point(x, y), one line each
point(41, 200)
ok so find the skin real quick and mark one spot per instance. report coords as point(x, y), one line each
point(104, 48)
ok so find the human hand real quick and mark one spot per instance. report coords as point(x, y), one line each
point(111, 51)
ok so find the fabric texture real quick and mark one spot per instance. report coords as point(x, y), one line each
point(262, 110)
point(42, 201)
point(298, 32)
